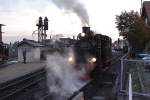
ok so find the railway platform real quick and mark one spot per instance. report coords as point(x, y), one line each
point(23, 81)
point(17, 70)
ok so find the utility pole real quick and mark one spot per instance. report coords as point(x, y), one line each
point(1, 32)
point(141, 7)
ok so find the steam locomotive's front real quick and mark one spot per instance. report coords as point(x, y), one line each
point(85, 55)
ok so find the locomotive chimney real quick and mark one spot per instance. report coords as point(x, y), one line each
point(86, 30)
point(73, 37)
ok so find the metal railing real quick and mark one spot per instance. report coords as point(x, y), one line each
point(136, 68)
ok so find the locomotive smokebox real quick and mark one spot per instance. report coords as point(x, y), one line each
point(86, 30)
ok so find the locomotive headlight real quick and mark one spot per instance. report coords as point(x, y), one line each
point(93, 59)
point(82, 34)
point(70, 59)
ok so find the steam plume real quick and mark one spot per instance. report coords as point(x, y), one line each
point(63, 79)
point(74, 6)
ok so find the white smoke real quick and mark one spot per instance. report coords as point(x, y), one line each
point(63, 79)
point(74, 6)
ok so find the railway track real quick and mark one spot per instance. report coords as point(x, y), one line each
point(8, 90)
point(8, 62)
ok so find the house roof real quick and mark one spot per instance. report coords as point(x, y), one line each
point(146, 9)
point(31, 43)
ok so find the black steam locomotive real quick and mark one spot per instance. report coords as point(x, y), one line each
point(92, 51)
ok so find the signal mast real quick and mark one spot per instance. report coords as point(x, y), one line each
point(42, 28)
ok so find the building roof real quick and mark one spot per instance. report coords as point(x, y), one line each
point(31, 43)
point(146, 9)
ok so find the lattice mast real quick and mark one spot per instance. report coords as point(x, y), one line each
point(42, 28)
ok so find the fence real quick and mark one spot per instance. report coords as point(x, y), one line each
point(136, 68)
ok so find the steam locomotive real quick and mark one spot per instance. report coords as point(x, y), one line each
point(93, 52)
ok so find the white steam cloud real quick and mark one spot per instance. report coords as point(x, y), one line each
point(63, 79)
point(74, 6)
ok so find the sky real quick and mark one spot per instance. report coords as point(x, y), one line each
point(20, 17)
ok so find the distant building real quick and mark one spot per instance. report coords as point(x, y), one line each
point(146, 12)
point(67, 42)
point(120, 44)
point(32, 50)
point(13, 49)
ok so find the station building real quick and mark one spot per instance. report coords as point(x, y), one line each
point(32, 50)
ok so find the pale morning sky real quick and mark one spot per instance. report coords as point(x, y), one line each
point(20, 17)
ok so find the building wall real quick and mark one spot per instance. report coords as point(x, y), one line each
point(32, 54)
point(36, 54)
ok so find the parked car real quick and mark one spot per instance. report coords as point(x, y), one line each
point(146, 58)
point(146, 62)
point(142, 55)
